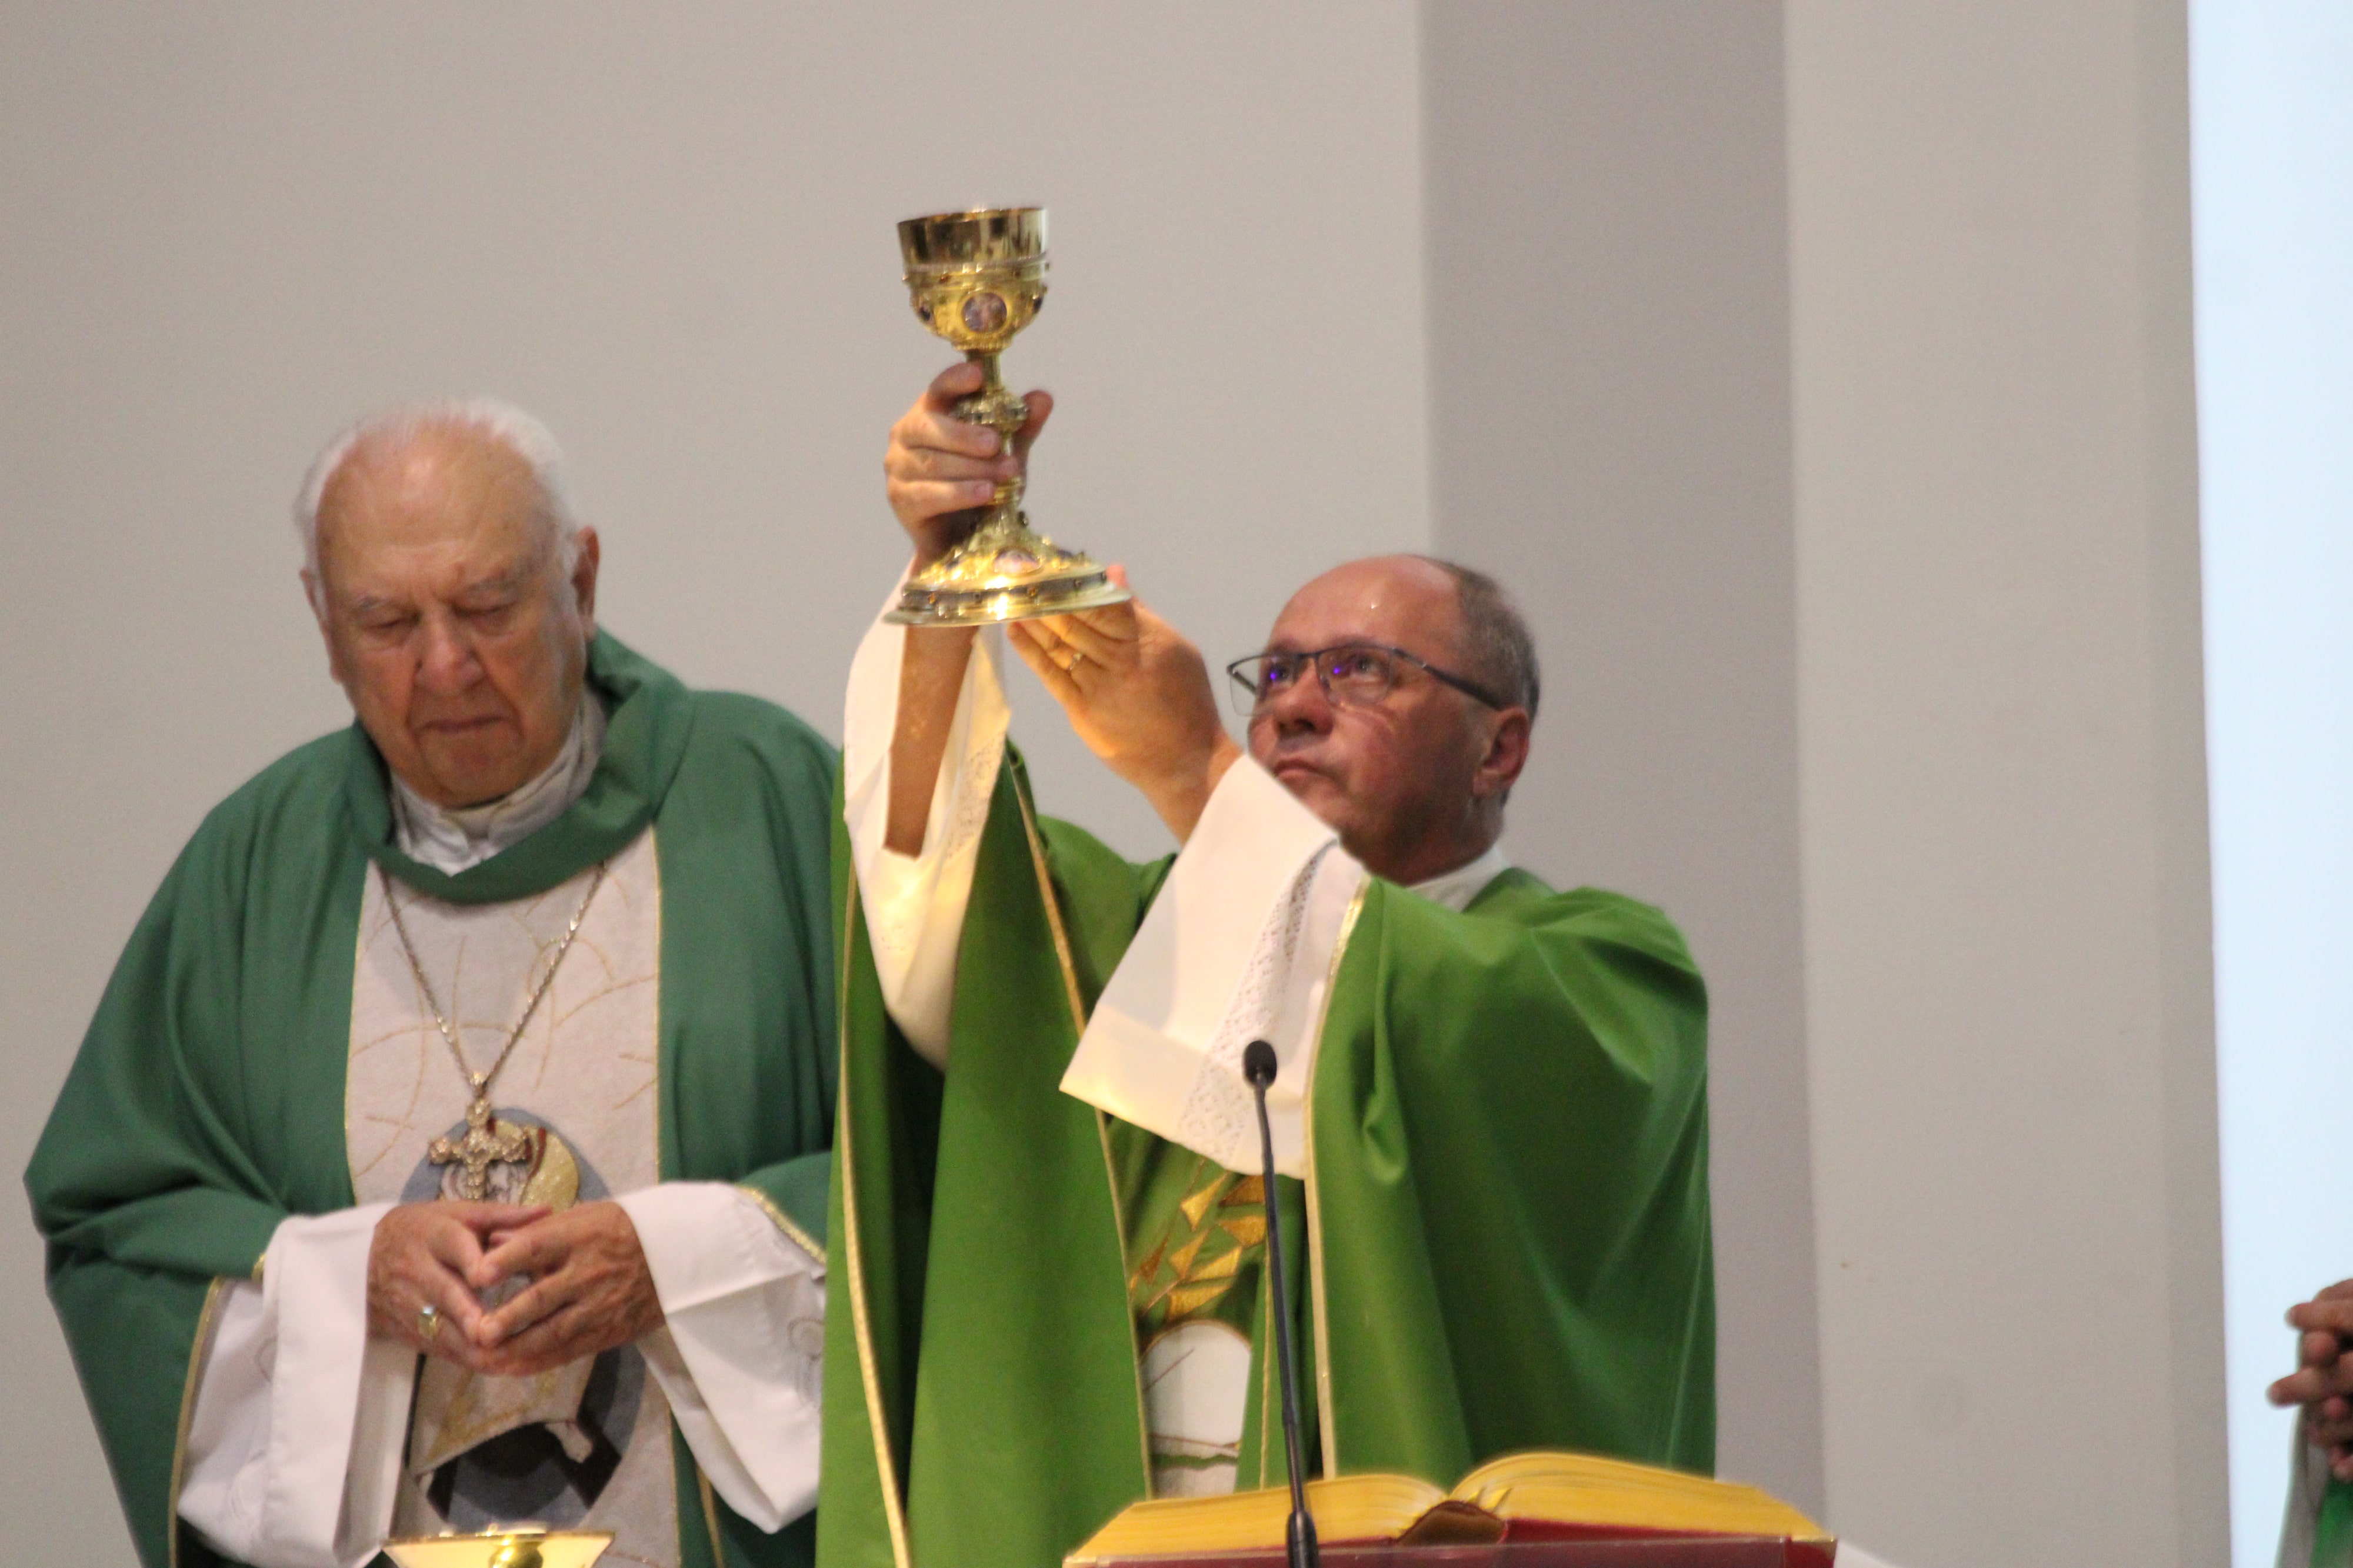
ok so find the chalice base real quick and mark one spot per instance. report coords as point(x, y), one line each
point(1004, 572)
point(508, 1546)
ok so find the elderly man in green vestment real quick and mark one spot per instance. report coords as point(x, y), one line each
point(450, 1145)
point(1049, 1298)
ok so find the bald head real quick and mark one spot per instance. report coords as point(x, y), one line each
point(404, 431)
point(455, 594)
point(1415, 786)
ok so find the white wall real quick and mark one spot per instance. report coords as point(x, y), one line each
point(2273, 88)
point(225, 230)
point(1820, 373)
point(2002, 799)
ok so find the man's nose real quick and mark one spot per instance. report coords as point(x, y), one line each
point(446, 664)
point(1300, 707)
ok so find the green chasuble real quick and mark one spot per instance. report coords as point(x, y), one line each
point(208, 1102)
point(1505, 1220)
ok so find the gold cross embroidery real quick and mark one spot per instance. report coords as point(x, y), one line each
point(487, 1143)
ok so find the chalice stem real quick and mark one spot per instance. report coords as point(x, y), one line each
point(1002, 412)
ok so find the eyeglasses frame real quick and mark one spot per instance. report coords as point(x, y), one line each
point(1322, 677)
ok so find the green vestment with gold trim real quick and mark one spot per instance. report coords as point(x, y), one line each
point(1505, 1218)
point(207, 1101)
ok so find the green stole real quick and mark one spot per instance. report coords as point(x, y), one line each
point(1506, 1214)
point(206, 1103)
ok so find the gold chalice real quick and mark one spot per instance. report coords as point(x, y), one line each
point(502, 1546)
point(978, 277)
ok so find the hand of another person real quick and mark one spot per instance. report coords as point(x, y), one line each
point(1138, 694)
point(422, 1255)
point(590, 1290)
point(941, 471)
point(2323, 1381)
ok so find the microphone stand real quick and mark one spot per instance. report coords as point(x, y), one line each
point(1257, 1066)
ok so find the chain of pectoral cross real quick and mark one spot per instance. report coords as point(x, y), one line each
point(484, 1143)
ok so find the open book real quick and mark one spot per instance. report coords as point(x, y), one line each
point(1519, 1498)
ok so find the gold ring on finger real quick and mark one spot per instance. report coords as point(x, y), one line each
point(428, 1322)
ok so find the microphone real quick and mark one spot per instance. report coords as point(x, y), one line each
point(1257, 1066)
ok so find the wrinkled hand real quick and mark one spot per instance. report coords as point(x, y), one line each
point(589, 1291)
point(426, 1252)
point(941, 471)
point(1138, 694)
point(2323, 1381)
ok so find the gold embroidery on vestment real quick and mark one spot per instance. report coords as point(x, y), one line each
point(1199, 1203)
point(1248, 1230)
point(784, 1222)
point(200, 1353)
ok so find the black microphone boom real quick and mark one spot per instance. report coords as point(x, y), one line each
point(1258, 1065)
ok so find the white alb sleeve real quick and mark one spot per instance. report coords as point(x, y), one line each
point(1238, 946)
point(740, 1353)
point(295, 1441)
point(914, 904)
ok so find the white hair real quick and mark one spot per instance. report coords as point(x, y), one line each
point(513, 429)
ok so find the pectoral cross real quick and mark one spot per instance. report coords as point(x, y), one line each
point(480, 1148)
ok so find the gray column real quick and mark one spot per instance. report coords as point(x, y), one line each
point(1609, 432)
point(2008, 969)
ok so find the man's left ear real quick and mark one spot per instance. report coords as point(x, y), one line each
point(587, 554)
point(1507, 754)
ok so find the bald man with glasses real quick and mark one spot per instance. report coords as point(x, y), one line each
point(1490, 1115)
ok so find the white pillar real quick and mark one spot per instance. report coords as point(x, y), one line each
point(2007, 963)
point(1609, 396)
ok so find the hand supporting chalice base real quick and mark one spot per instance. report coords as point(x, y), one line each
point(1135, 689)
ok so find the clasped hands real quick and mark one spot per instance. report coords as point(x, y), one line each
point(585, 1285)
point(2323, 1380)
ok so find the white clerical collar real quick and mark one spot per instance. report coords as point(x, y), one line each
point(450, 840)
point(1456, 889)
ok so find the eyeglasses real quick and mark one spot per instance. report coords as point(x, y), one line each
point(1352, 675)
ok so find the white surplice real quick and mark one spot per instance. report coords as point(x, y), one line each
point(1237, 946)
point(301, 1417)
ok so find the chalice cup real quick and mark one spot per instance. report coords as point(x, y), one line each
point(978, 277)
